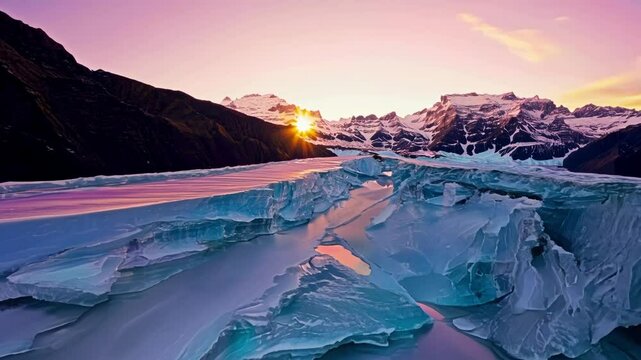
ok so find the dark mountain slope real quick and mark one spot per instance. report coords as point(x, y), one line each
point(618, 153)
point(59, 119)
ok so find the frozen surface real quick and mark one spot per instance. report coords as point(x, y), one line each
point(316, 306)
point(324, 257)
point(83, 255)
point(457, 255)
point(89, 195)
point(550, 260)
point(441, 341)
point(22, 320)
point(493, 158)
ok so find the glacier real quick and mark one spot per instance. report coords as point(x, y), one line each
point(548, 261)
point(345, 257)
point(328, 306)
point(83, 268)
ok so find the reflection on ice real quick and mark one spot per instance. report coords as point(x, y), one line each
point(431, 312)
point(439, 341)
point(345, 257)
point(314, 307)
point(303, 259)
point(78, 259)
point(171, 315)
point(29, 201)
point(21, 320)
point(466, 234)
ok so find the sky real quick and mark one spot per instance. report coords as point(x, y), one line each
point(354, 57)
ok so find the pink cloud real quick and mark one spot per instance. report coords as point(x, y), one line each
point(528, 44)
point(620, 90)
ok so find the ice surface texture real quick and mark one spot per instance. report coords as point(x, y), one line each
point(540, 261)
point(313, 308)
point(84, 256)
point(550, 261)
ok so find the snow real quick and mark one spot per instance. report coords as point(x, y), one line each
point(554, 130)
point(597, 127)
point(346, 152)
point(494, 158)
point(268, 107)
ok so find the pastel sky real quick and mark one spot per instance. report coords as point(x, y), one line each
point(357, 57)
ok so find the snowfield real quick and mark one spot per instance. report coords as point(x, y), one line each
point(347, 257)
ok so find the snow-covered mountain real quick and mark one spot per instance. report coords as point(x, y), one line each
point(270, 108)
point(521, 128)
point(597, 121)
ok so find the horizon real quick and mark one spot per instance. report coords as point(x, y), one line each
point(335, 57)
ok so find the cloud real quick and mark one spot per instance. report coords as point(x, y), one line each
point(561, 18)
point(528, 44)
point(618, 90)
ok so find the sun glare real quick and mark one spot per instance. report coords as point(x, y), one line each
point(303, 123)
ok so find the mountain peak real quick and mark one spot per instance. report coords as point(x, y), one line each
point(368, 117)
point(591, 110)
point(448, 97)
point(469, 123)
point(270, 108)
point(389, 116)
point(509, 96)
point(36, 46)
point(226, 101)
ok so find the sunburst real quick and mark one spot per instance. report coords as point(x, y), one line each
point(304, 123)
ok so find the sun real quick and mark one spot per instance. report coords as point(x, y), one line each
point(303, 123)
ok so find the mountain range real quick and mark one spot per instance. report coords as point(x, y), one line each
point(58, 119)
point(503, 125)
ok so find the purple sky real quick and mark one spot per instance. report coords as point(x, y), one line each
point(352, 57)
